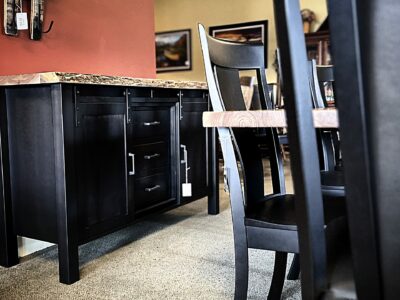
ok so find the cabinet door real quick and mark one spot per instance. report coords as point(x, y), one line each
point(102, 164)
point(194, 136)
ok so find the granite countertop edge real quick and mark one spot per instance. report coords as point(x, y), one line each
point(77, 78)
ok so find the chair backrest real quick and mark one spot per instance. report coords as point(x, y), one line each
point(303, 147)
point(223, 60)
point(321, 81)
point(318, 76)
point(367, 89)
point(326, 82)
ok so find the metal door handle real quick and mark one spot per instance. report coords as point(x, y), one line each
point(132, 172)
point(151, 156)
point(152, 188)
point(185, 162)
point(151, 123)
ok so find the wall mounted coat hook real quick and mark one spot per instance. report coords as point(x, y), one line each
point(50, 27)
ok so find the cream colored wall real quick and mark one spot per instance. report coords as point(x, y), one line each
point(183, 14)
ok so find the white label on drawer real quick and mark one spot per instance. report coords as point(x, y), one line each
point(186, 190)
point(22, 21)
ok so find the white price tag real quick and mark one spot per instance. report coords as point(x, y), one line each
point(22, 21)
point(186, 190)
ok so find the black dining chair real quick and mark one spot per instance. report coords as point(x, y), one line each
point(259, 221)
point(364, 38)
point(326, 261)
point(332, 176)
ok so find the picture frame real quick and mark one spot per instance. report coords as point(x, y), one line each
point(173, 50)
point(248, 32)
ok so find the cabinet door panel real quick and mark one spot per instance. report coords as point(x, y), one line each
point(194, 136)
point(102, 163)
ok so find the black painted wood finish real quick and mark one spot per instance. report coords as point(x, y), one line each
point(8, 240)
point(78, 162)
point(193, 104)
point(326, 261)
point(304, 153)
point(259, 221)
point(370, 153)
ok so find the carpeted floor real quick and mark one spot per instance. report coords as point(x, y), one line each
point(181, 254)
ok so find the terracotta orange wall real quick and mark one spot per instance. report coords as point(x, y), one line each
point(89, 36)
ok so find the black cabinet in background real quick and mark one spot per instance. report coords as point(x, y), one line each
point(80, 161)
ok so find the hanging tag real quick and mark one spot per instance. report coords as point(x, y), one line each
point(186, 190)
point(22, 21)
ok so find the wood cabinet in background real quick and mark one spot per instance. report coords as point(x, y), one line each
point(78, 161)
point(318, 47)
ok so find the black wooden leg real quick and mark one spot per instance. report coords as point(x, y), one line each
point(68, 263)
point(66, 206)
point(213, 173)
point(294, 271)
point(8, 239)
point(278, 278)
point(241, 271)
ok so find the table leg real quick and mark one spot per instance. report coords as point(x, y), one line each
point(213, 196)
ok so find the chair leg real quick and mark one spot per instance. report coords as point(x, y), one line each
point(241, 271)
point(278, 278)
point(294, 271)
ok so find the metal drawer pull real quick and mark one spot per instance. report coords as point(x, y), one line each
point(151, 123)
point(132, 172)
point(151, 156)
point(152, 188)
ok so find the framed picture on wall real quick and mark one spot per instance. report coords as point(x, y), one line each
point(173, 51)
point(249, 32)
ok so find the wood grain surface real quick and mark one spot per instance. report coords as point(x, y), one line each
point(323, 118)
point(77, 78)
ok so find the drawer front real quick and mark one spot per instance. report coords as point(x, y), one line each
point(151, 156)
point(151, 122)
point(194, 106)
point(151, 190)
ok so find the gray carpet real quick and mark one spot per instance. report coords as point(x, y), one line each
point(182, 254)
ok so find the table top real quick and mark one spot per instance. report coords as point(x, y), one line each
point(77, 78)
point(323, 118)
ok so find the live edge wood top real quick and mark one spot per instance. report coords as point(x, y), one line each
point(75, 78)
point(323, 118)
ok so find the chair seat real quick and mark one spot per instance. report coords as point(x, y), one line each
point(278, 212)
point(275, 211)
point(332, 183)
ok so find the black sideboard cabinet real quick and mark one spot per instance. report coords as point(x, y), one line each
point(80, 161)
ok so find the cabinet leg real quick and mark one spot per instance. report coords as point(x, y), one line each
point(8, 242)
point(213, 194)
point(68, 264)
point(67, 229)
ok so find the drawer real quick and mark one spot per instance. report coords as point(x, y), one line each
point(151, 156)
point(151, 121)
point(194, 106)
point(194, 96)
point(151, 190)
